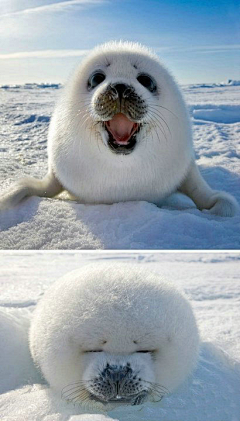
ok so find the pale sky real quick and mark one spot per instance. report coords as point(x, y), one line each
point(43, 40)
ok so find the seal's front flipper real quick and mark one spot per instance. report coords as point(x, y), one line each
point(49, 186)
point(217, 202)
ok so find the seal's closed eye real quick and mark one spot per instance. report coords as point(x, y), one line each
point(94, 350)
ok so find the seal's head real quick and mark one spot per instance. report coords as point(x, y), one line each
point(123, 92)
point(121, 129)
point(113, 334)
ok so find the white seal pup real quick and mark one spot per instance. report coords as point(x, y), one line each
point(111, 334)
point(121, 132)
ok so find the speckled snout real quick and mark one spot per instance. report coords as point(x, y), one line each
point(118, 384)
point(120, 98)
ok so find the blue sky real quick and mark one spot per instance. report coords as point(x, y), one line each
point(43, 40)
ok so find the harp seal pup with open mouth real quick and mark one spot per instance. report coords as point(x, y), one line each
point(121, 132)
point(111, 334)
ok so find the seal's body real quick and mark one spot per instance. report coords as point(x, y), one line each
point(120, 132)
point(113, 333)
point(79, 149)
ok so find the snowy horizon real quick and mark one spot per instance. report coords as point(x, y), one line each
point(57, 85)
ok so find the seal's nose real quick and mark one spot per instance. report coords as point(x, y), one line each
point(116, 374)
point(122, 90)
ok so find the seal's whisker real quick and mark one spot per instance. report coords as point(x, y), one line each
point(158, 134)
point(72, 391)
point(67, 396)
point(85, 121)
point(66, 390)
point(164, 108)
point(159, 125)
point(161, 117)
point(77, 387)
point(156, 123)
point(157, 395)
point(80, 398)
point(78, 391)
point(80, 394)
point(157, 385)
point(84, 115)
point(161, 392)
point(75, 384)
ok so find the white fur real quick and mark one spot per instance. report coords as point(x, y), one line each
point(89, 169)
point(119, 304)
point(162, 162)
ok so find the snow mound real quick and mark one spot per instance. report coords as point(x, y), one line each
point(56, 224)
point(38, 403)
point(16, 366)
point(230, 82)
point(219, 114)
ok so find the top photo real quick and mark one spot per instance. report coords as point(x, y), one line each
point(120, 125)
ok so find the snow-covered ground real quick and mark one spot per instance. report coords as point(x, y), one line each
point(54, 224)
point(210, 281)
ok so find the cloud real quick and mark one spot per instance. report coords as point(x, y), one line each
point(44, 54)
point(200, 49)
point(80, 53)
point(54, 7)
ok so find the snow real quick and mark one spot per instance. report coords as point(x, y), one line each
point(211, 283)
point(64, 224)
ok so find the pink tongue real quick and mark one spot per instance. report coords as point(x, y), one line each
point(121, 128)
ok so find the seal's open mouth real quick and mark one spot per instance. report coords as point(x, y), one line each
point(122, 133)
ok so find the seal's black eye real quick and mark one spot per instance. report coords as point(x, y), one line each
point(147, 82)
point(95, 80)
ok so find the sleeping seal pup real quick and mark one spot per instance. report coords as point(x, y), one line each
point(121, 132)
point(110, 334)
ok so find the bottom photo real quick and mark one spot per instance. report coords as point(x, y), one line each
point(124, 336)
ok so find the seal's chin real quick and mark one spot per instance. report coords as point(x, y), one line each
point(122, 134)
point(118, 400)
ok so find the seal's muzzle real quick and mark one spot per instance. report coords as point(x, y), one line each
point(121, 110)
point(118, 384)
